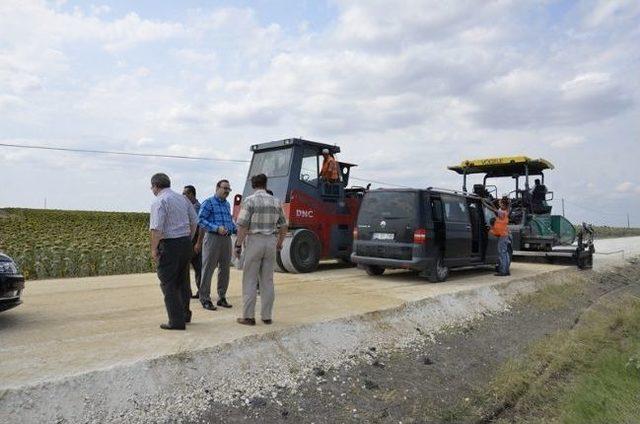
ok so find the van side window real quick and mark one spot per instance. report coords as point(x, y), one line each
point(436, 209)
point(455, 209)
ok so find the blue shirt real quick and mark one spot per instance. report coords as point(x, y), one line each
point(215, 213)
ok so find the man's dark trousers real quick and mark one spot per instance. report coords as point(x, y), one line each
point(196, 263)
point(173, 272)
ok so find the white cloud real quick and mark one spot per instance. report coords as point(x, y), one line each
point(415, 82)
point(625, 187)
point(607, 13)
point(100, 10)
point(564, 142)
point(56, 29)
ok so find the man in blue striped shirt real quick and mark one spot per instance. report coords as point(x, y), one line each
point(214, 240)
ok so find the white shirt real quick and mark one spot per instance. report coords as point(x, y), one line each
point(172, 214)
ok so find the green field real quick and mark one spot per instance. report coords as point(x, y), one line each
point(55, 243)
point(603, 232)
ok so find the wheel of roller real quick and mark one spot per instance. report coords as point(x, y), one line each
point(301, 252)
point(278, 266)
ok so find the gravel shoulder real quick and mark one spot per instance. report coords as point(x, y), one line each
point(430, 381)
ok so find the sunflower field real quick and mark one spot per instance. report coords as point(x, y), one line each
point(57, 244)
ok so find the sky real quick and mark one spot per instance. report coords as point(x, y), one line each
point(404, 87)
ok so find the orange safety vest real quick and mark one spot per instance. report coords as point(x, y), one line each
point(500, 227)
point(329, 170)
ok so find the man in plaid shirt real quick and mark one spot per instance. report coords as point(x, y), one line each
point(260, 219)
point(214, 240)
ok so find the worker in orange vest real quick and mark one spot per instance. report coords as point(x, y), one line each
point(500, 229)
point(329, 170)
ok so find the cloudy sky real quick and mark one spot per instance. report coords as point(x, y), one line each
point(404, 87)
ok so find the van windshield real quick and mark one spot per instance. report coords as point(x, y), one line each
point(388, 205)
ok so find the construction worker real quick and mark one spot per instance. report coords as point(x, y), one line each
point(500, 229)
point(329, 170)
point(539, 197)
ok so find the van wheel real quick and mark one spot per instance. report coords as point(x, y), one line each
point(374, 270)
point(439, 271)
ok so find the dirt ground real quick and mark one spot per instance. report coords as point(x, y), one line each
point(425, 385)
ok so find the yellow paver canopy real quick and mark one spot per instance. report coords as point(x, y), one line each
point(502, 166)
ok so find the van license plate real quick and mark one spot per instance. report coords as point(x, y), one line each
point(383, 236)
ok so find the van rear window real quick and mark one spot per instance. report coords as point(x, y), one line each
point(389, 204)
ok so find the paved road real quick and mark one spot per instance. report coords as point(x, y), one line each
point(71, 326)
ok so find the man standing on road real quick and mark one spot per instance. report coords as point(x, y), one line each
point(173, 222)
point(214, 240)
point(500, 229)
point(196, 261)
point(260, 219)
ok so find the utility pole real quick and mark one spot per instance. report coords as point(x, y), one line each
point(628, 224)
point(45, 203)
point(563, 207)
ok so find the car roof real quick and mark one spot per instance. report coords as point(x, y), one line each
point(429, 190)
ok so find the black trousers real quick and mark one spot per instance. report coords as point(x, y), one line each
point(196, 263)
point(173, 272)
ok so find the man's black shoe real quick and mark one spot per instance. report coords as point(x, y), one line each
point(223, 302)
point(246, 321)
point(499, 274)
point(209, 305)
point(267, 321)
point(168, 327)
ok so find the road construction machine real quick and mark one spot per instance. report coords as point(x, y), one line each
point(535, 230)
point(321, 213)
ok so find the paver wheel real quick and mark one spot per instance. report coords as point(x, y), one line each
point(301, 252)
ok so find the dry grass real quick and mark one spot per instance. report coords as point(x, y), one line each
point(579, 375)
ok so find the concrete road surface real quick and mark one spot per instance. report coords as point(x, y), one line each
point(72, 326)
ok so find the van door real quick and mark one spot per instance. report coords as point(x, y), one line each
point(476, 218)
point(439, 227)
point(458, 230)
point(490, 252)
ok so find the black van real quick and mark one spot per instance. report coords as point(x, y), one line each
point(427, 230)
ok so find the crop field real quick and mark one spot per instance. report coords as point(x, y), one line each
point(610, 232)
point(55, 243)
